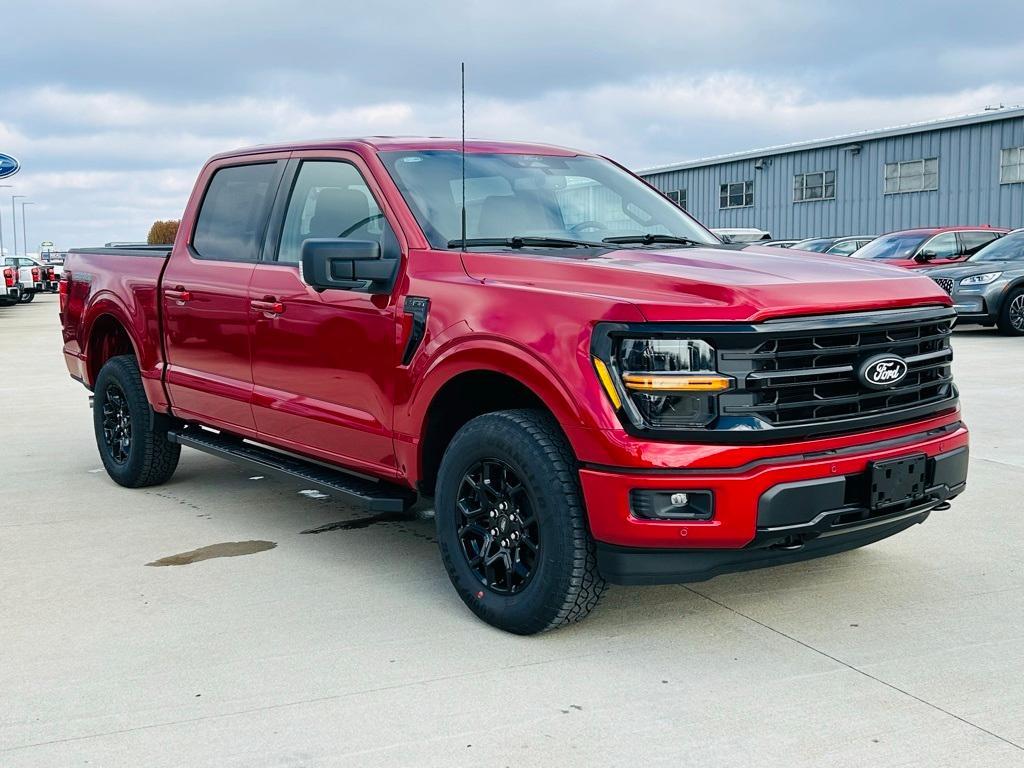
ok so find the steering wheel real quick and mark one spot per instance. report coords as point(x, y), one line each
point(360, 223)
point(584, 225)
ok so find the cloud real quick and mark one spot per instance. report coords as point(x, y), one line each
point(114, 121)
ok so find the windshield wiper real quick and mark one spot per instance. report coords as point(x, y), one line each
point(651, 239)
point(524, 242)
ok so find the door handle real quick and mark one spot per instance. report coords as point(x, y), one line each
point(178, 294)
point(268, 306)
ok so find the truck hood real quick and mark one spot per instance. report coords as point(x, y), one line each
point(707, 283)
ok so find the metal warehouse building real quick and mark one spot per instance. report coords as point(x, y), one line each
point(961, 170)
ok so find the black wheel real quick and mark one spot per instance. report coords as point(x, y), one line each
point(132, 442)
point(511, 525)
point(1011, 316)
point(26, 298)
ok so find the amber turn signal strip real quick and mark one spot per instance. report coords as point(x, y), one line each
point(653, 382)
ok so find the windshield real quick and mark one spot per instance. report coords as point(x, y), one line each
point(818, 245)
point(514, 196)
point(1007, 248)
point(896, 246)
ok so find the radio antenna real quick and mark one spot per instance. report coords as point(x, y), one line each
point(463, 155)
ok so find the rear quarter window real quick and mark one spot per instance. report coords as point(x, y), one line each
point(234, 212)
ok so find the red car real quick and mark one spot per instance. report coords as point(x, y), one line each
point(928, 246)
point(589, 385)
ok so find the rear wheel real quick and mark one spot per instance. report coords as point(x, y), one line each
point(26, 297)
point(1011, 316)
point(511, 525)
point(132, 440)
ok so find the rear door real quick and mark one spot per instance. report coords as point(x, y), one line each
point(206, 294)
point(324, 362)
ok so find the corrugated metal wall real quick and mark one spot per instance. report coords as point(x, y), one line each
point(969, 190)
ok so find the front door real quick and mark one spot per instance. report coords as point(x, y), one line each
point(323, 362)
point(206, 297)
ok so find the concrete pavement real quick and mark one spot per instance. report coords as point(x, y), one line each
point(349, 647)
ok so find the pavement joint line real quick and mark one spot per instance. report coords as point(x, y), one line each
point(289, 704)
point(1001, 463)
point(859, 671)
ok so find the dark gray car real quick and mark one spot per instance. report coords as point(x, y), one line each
point(989, 287)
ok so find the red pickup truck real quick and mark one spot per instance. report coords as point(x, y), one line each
point(590, 386)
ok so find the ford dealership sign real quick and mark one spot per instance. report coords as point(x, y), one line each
point(8, 166)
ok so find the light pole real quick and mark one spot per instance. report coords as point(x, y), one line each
point(7, 186)
point(24, 229)
point(14, 222)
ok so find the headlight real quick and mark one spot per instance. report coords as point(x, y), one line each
point(663, 383)
point(985, 279)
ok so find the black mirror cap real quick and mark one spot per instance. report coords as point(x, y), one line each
point(922, 257)
point(345, 264)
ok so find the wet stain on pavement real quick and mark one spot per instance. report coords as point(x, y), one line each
point(399, 519)
point(225, 549)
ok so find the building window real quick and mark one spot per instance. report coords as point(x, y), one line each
point(820, 185)
point(912, 176)
point(738, 194)
point(1011, 165)
point(678, 196)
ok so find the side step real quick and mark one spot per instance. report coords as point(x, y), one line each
point(373, 495)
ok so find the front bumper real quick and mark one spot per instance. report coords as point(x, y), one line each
point(778, 509)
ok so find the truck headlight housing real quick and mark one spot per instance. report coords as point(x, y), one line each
point(662, 382)
point(983, 279)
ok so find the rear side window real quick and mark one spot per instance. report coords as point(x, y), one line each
point(234, 212)
point(975, 241)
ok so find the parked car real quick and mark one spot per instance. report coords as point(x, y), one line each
point(989, 287)
point(930, 246)
point(838, 246)
point(10, 288)
point(31, 276)
point(778, 243)
point(587, 399)
point(742, 235)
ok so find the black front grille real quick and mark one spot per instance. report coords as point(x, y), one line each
point(945, 283)
point(802, 375)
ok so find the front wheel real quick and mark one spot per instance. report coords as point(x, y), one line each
point(511, 524)
point(132, 440)
point(1011, 316)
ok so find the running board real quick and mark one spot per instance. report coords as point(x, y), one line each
point(373, 495)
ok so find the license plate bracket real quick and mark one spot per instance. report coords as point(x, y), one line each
point(897, 481)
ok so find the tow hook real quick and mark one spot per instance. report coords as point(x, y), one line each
point(790, 545)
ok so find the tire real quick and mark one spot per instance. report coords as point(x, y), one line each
point(524, 453)
point(120, 408)
point(1011, 314)
point(7, 302)
point(27, 298)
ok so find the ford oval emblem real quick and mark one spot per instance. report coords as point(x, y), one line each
point(882, 371)
point(8, 166)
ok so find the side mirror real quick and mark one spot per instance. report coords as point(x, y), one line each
point(923, 257)
point(347, 265)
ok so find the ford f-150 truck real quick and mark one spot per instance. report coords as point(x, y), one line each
point(587, 383)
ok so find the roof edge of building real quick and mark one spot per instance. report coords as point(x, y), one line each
point(972, 118)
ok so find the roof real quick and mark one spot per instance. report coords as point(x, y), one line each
point(973, 118)
point(406, 143)
point(937, 230)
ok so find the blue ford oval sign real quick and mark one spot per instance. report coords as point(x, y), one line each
point(8, 166)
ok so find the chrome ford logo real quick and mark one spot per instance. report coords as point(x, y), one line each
point(882, 371)
point(8, 166)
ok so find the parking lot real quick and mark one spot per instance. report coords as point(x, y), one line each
point(348, 646)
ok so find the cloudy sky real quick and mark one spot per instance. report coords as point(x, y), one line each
point(113, 105)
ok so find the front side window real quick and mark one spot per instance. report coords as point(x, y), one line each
point(820, 185)
point(1007, 248)
point(508, 196)
point(844, 247)
point(234, 212)
point(943, 246)
point(912, 176)
point(736, 194)
point(329, 199)
point(814, 244)
point(1011, 165)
